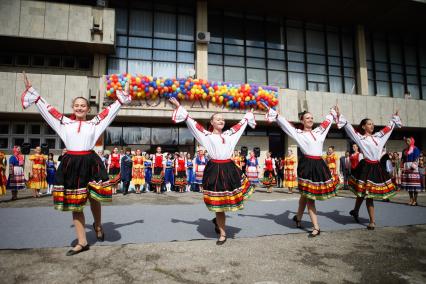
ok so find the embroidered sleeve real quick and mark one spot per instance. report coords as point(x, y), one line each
point(325, 126)
point(236, 131)
point(350, 131)
point(104, 118)
point(384, 134)
point(197, 130)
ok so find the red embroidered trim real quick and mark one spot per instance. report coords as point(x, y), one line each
point(386, 130)
point(103, 114)
point(325, 124)
point(200, 127)
point(55, 113)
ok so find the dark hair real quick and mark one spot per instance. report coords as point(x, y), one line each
point(361, 124)
point(302, 114)
point(128, 149)
point(332, 147)
point(50, 155)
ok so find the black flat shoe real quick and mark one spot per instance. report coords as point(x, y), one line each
point(74, 252)
point(312, 235)
point(216, 228)
point(100, 237)
point(219, 243)
point(298, 222)
point(355, 215)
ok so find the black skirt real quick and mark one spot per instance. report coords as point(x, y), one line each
point(370, 180)
point(221, 176)
point(79, 176)
point(314, 178)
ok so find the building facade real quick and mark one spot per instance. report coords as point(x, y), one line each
point(370, 58)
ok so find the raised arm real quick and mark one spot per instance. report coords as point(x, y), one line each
point(325, 126)
point(197, 130)
point(51, 115)
point(286, 126)
point(350, 131)
point(105, 117)
point(384, 134)
point(237, 130)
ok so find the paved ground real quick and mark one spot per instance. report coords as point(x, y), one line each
point(386, 255)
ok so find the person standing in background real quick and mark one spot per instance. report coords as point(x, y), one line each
point(356, 157)
point(422, 171)
point(410, 177)
point(280, 171)
point(51, 171)
point(114, 168)
point(189, 172)
point(180, 172)
point(37, 180)
point(168, 173)
point(345, 168)
point(148, 172)
point(269, 173)
point(252, 169)
point(290, 179)
point(3, 180)
point(200, 163)
point(138, 175)
point(16, 180)
point(126, 170)
point(331, 161)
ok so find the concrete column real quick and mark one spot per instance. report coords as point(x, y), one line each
point(361, 59)
point(201, 65)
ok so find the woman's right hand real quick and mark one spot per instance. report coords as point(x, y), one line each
point(26, 81)
point(174, 102)
point(337, 109)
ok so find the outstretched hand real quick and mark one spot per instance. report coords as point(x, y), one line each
point(127, 87)
point(26, 81)
point(337, 109)
point(396, 112)
point(174, 102)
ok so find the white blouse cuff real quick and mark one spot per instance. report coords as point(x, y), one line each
point(341, 121)
point(123, 97)
point(251, 121)
point(29, 97)
point(271, 115)
point(397, 120)
point(180, 114)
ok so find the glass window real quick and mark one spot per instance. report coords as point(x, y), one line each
point(121, 21)
point(333, 44)
point(113, 135)
point(34, 142)
point(140, 53)
point(167, 136)
point(276, 64)
point(256, 76)
point(51, 143)
point(19, 128)
point(295, 40)
point(35, 129)
point(335, 84)
point(215, 73)
point(234, 74)
point(256, 62)
point(164, 25)
point(140, 42)
point(184, 70)
point(186, 27)
point(185, 137)
point(164, 69)
point(18, 141)
point(277, 78)
point(136, 135)
point(315, 42)
point(138, 66)
point(140, 23)
point(4, 143)
point(233, 31)
point(4, 128)
point(234, 60)
point(296, 81)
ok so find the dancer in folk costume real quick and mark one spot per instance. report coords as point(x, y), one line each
point(410, 177)
point(81, 174)
point(50, 171)
point(315, 181)
point(200, 162)
point(225, 187)
point(114, 160)
point(138, 174)
point(169, 175)
point(180, 172)
point(269, 173)
point(16, 180)
point(290, 179)
point(158, 175)
point(148, 172)
point(331, 159)
point(252, 169)
point(37, 179)
point(3, 180)
point(369, 179)
point(190, 178)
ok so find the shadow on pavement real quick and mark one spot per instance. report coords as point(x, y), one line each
point(337, 217)
point(281, 219)
point(110, 230)
point(206, 227)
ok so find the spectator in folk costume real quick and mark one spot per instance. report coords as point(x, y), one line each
point(114, 167)
point(345, 168)
point(148, 172)
point(410, 177)
point(16, 180)
point(200, 162)
point(290, 179)
point(269, 173)
point(51, 172)
point(189, 172)
point(37, 180)
point(331, 161)
point(355, 157)
point(180, 172)
point(158, 174)
point(169, 177)
point(3, 180)
point(369, 180)
point(396, 172)
point(225, 188)
point(126, 165)
point(422, 170)
point(252, 169)
point(138, 173)
point(236, 158)
point(81, 174)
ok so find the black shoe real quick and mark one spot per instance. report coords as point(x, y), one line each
point(73, 252)
point(355, 215)
point(298, 222)
point(216, 228)
point(101, 237)
point(219, 243)
point(312, 235)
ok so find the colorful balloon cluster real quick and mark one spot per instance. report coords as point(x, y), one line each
point(232, 96)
